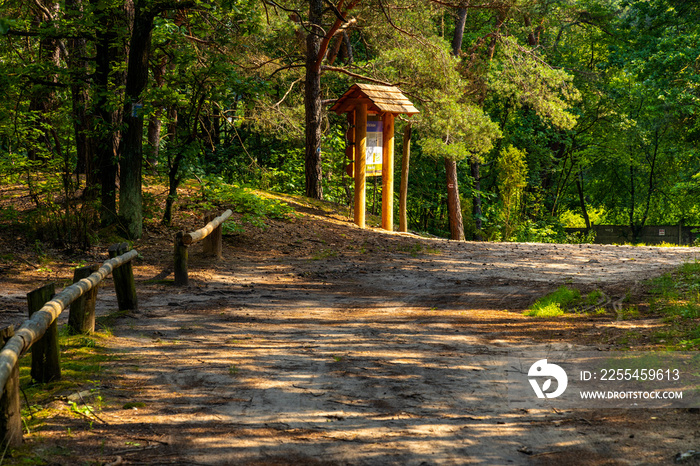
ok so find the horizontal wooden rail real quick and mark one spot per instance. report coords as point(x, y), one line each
point(212, 246)
point(194, 236)
point(34, 328)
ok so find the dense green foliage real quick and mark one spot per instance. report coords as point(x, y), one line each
point(573, 111)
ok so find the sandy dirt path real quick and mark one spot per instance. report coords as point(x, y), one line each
point(358, 358)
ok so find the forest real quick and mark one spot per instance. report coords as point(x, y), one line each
point(546, 114)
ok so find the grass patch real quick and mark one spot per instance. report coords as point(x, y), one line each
point(676, 297)
point(677, 294)
point(324, 254)
point(134, 404)
point(663, 244)
point(594, 297)
point(554, 304)
point(417, 249)
point(83, 368)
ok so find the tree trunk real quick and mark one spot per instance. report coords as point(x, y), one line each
point(82, 116)
point(312, 103)
point(131, 162)
point(453, 204)
point(108, 49)
point(582, 200)
point(348, 48)
point(173, 182)
point(652, 173)
point(43, 99)
point(154, 126)
point(475, 167)
point(154, 122)
point(459, 31)
point(633, 226)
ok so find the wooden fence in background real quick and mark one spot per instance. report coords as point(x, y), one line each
point(650, 234)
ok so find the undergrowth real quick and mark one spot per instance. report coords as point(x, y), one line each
point(254, 209)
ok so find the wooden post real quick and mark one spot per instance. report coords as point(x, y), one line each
point(403, 194)
point(10, 414)
point(46, 365)
point(213, 242)
point(180, 259)
point(207, 242)
point(81, 318)
point(388, 172)
point(123, 275)
point(360, 161)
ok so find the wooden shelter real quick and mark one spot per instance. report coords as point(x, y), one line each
point(386, 102)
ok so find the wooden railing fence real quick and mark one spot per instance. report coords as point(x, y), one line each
point(211, 234)
point(39, 333)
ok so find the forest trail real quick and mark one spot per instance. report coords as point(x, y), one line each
point(314, 342)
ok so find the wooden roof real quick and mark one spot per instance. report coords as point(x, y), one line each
point(379, 99)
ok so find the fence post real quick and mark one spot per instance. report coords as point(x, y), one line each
point(10, 414)
point(81, 317)
point(180, 258)
point(46, 365)
point(213, 242)
point(123, 275)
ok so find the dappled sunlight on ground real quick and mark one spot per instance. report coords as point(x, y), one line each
point(315, 342)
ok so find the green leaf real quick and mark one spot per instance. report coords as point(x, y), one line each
point(5, 25)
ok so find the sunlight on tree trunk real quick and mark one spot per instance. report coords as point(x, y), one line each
point(453, 203)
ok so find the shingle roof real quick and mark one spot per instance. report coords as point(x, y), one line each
point(379, 99)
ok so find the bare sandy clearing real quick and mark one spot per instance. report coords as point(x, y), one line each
point(318, 343)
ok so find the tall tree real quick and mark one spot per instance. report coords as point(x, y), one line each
point(318, 39)
point(131, 146)
point(454, 205)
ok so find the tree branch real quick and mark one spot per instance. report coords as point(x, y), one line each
point(47, 13)
point(287, 67)
point(355, 75)
point(288, 91)
point(336, 9)
point(461, 4)
point(403, 31)
point(331, 32)
point(288, 10)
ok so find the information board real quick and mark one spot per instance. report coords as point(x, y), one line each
point(375, 144)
